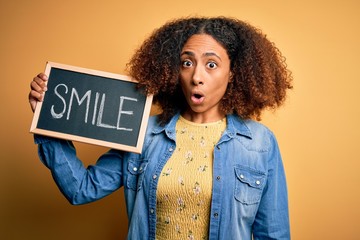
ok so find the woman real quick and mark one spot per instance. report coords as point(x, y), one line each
point(207, 170)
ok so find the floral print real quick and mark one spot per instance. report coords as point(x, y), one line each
point(202, 142)
point(167, 172)
point(190, 235)
point(184, 188)
point(202, 168)
point(181, 180)
point(197, 188)
point(195, 217)
point(181, 204)
point(188, 157)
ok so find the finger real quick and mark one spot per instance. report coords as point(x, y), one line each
point(41, 80)
point(33, 104)
point(36, 96)
point(43, 76)
point(35, 86)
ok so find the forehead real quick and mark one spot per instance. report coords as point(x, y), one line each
point(203, 43)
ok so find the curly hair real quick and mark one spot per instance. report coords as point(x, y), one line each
point(259, 75)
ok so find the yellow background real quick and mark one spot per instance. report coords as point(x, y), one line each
point(318, 128)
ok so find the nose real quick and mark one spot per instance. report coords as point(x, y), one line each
point(197, 77)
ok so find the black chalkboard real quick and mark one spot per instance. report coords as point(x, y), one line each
point(93, 107)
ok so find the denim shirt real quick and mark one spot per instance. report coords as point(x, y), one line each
point(249, 194)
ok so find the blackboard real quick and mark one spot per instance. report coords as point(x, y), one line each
point(92, 106)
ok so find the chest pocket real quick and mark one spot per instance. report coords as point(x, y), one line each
point(136, 171)
point(249, 184)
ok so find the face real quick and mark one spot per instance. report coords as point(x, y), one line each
point(204, 76)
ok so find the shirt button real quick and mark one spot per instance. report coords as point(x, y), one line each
point(152, 211)
point(171, 149)
point(241, 176)
point(257, 182)
point(154, 176)
point(216, 215)
point(218, 178)
point(135, 169)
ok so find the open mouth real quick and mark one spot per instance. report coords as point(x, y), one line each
point(197, 98)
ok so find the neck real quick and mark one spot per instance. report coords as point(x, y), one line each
point(202, 118)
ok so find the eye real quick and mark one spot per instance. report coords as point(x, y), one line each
point(187, 63)
point(211, 65)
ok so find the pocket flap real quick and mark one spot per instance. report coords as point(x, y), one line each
point(137, 167)
point(251, 177)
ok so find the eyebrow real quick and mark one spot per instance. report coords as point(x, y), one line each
point(207, 54)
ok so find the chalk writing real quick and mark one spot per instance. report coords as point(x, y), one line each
point(98, 108)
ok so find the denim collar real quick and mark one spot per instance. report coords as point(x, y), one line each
point(235, 126)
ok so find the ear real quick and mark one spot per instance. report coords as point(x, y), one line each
point(231, 77)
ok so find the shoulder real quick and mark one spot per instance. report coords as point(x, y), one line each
point(154, 128)
point(152, 124)
point(153, 121)
point(254, 135)
point(258, 129)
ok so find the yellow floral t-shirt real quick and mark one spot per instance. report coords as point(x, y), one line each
point(185, 184)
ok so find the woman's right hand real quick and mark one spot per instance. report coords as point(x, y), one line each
point(38, 88)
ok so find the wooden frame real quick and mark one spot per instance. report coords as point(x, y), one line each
point(125, 81)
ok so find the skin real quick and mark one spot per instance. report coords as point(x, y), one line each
point(204, 76)
point(38, 88)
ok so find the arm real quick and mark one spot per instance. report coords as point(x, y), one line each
point(272, 219)
point(78, 184)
